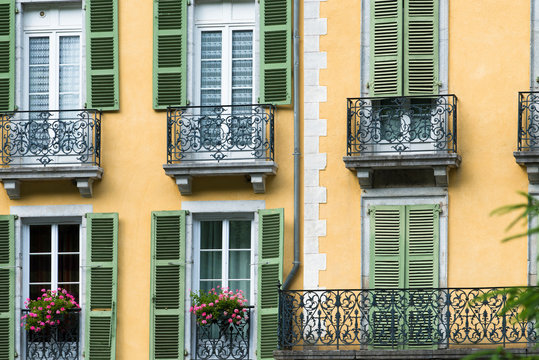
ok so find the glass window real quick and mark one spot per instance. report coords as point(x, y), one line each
point(225, 255)
point(53, 258)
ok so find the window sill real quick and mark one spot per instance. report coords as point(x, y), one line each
point(83, 176)
point(185, 171)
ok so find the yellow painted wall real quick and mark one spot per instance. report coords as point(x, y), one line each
point(134, 182)
point(489, 60)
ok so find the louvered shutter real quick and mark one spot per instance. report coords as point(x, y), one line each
point(167, 309)
point(387, 225)
point(421, 47)
point(7, 287)
point(386, 47)
point(7, 55)
point(276, 51)
point(101, 283)
point(422, 233)
point(102, 54)
point(270, 272)
point(169, 53)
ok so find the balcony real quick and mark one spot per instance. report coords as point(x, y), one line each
point(220, 141)
point(223, 340)
point(50, 145)
point(402, 141)
point(55, 342)
point(527, 153)
point(411, 323)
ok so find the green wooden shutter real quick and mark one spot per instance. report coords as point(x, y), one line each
point(102, 54)
point(167, 307)
point(421, 47)
point(422, 271)
point(169, 53)
point(276, 51)
point(7, 55)
point(387, 226)
point(101, 282)
point(270, 272)
point(422, 232)
point(386, 47)
point(7, 286)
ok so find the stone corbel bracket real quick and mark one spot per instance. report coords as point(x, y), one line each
point(366, 165)
point(184, 172)
point(82, 176)
point(530, 159)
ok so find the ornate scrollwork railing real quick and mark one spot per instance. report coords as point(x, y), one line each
point(528, 121)
point(404, 318)
point(402, 124)
point(223, 340)
point(60, 342)
point(220, 133)
point(50, 137)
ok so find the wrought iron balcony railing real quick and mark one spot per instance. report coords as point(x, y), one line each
point(404, 318)
point(223, 340)
point(60, 342)
point(528, 121)
point(50, 137)
point(219, 133)
point(416, 124)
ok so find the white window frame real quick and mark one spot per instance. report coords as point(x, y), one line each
point(225, 247)
point(53, 253)
point(207, 210)
point(47, 214)
point(404, 196)
point(193, 48)
point(22, 47)
point(54, 66)
point(226, 59)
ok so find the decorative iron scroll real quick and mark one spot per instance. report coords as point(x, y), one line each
point(220, 133)
point(404, 318)
point(528, 121)
point(64, 137)
point(223, 340)
point(60, 342)
point(402, 124)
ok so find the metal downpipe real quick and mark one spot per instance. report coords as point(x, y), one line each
point(297, 153)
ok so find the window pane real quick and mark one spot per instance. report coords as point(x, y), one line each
point(242, 73)
point(69, 78)
point(72, 289)
point(208, 285)
point(38, 84)
point(210, 264)
point(68, 268)
point(211, 234)
point(244, 285)
point(39, 50)
point(39, 79)
point(68, 238)
point(240, 234)
point(69, 50)
point(35, 290)
point(40, 268)
point(239, 264)
point(40, 238)
point(242, 44)
point(210, 73)
point(211, 42)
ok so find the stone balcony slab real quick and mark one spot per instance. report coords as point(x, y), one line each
point(257, 170)
point(83, 177)
point(436, 164)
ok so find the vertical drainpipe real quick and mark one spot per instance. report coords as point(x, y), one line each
point(297, 153)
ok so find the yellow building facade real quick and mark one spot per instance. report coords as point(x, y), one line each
point(177, 180)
